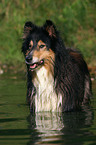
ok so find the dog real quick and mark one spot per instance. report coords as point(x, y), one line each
point(58, 79)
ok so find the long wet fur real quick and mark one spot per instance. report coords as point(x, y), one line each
point(71, 75)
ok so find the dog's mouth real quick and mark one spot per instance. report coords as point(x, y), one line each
point(33, 66)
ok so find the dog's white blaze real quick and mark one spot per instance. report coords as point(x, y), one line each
point(46, 98)
point(35, 59)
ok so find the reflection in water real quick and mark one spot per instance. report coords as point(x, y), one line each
point(74, 128)
point(55, 128)
point(49, 123)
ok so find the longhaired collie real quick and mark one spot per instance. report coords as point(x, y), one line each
point(58, 79)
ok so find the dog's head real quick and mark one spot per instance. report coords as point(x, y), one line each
point(39, 45)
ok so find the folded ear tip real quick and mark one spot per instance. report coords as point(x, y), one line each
point(50, 28)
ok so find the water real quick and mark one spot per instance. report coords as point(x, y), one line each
point(19, 127)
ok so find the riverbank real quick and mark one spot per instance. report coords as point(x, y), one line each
point(74, 19)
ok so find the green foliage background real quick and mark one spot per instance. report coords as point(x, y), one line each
point(76, 20)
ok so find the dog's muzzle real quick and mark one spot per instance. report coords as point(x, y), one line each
point(33, 66)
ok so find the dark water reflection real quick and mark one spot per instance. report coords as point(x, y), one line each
point(19, 127)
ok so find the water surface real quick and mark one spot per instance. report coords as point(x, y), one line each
point(19, 127)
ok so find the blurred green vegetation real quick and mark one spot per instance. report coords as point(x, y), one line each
point(76, 20)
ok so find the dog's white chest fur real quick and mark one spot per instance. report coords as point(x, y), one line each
point(46, 98)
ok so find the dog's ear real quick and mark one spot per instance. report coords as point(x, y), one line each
point(29, 26)
point(50, 28)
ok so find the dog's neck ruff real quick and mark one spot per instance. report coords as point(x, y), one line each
point(46, 98)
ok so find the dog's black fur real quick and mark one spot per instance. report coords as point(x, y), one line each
point(71, 75)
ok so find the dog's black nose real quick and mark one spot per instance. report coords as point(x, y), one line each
point(29, 58)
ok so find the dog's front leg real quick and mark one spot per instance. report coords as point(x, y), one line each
point(29, 87)
point(31, 91)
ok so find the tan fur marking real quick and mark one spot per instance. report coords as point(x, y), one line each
point(49, 58)
point(40, 42)
point(31, 44)
point(30, 47)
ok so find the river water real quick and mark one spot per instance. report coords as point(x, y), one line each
point(19, 127)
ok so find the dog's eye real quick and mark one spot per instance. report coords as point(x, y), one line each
point(41, 46)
